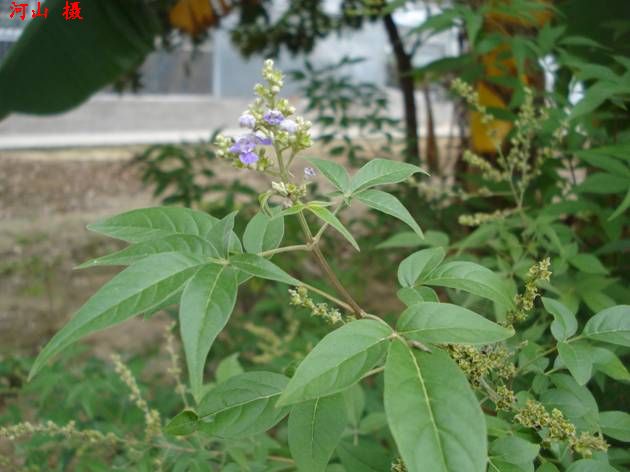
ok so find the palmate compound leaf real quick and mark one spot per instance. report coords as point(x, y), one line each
point(243, 405)
point(206, 306)
point(315, 428)
point(152, 223)
point(338, 361)
point(182, 243)
point(432, 412)
point(444, 323)
point(390, 205)
point(471, 278)
point(136, 289)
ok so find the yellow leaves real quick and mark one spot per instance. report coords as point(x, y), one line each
point(196, 16)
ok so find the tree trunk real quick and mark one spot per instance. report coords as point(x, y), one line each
point(405, 79)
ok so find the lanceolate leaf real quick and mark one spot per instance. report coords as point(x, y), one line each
point(419, 264)
point(315, 428)
point(432, 412)
point(471, 278)
point(263, 233)
point(182, 243)
point(578, 359)
point(206, 306)
point(335, 173)
point(382, 172)
point(338, 361)
point(184, 423)
point(611, 325)
point(390, 205)
point(325, 215)
point(135, 290)
point(609, 364)
point(615, 424)
point(260, 267)
point(153, 223)
point(564, 323)
point(443, 323)
point(221, 233)
point(243, 405)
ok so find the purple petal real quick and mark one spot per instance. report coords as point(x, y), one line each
point(248, 158)
point(273, 117)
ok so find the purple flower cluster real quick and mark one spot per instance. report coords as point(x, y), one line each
point(245, 146)
point(273, 117)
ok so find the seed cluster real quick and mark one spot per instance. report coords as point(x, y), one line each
point(300, 297)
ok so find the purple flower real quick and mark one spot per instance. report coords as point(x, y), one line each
point(245, 146)
point(247, 120)
point(248, 158)
point(288, 125)
point(273, 117)
point(309, 172)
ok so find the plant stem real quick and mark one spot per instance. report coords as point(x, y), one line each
point(297, 247)
point(358, 312)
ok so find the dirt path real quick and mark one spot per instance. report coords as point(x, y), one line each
point(46, 200)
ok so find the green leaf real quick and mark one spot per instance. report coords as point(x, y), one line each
point(471, 278)
point(564, 323)
point(221, 234)
point(590, 465)
point(338, 361)
point(244, 405)
point(390, 205)
point(411, 239)
point(335, 173)
point(577, 357)
point(77, 58)
point(418, 264)
point(260, 267)
point(611, 325)
point(206, 306)
point(412, 295)
point(382, 172)
point(514, 450)
point(432, 412)
point(604, 183)
point(588, 263)
point(615, 424)
point(315, 428)
point(153, 223)
point(574, 400)
point(263, 233)
point(228, 367)
point(605, 361)
point(182, 243)
point(325, 215)
point(367, 456)
point(183, 424)
point(135, 290)
point(354, 398)
point(443, 323)
point(623, 206)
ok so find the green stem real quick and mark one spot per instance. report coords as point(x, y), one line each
point(358, 312)
point(297, 247)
